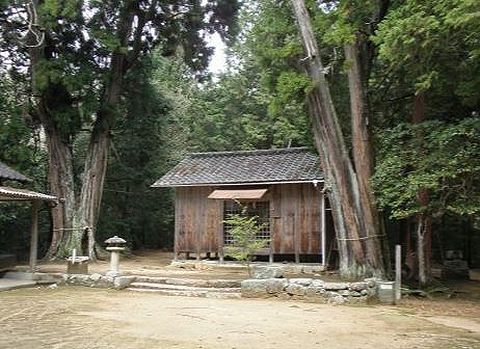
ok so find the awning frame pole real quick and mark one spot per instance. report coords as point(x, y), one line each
point(34, 236)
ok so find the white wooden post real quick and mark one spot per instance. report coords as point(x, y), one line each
point(398, 272)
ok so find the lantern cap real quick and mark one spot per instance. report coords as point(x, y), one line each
point(115, 240)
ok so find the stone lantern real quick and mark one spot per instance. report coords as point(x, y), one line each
point(115, 246)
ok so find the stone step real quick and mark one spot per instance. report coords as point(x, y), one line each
point(215, 283)
point(156, 286)
point(189, 293)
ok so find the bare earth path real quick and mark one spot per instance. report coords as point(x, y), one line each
point(74, 317)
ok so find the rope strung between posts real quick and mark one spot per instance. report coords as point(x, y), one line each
point(364, 238)
point(72, 229)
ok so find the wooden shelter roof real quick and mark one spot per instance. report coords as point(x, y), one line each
point(290, 165)
point(15, 194)
point(8, 173)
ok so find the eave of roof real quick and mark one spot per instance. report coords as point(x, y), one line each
point(8, 173)
point(233, 168)
point(233, 184)
point(15, 194)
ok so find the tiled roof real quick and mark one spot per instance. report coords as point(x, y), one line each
point(10, 174)
point(15, 194)
point(244, 167)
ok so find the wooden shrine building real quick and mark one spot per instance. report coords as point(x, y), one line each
point(12, 194)
point(283, 187)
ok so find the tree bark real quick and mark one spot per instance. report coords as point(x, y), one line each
point(60, 157)
point(421, 229)
point(60, 178)
point(352, 208)
point(76, 216)
point(424, 235)
point(362, 149)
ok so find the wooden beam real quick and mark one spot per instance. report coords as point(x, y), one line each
point(296, 241)
point(34, 235)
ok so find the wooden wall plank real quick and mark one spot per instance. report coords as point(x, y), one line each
point(295, 214)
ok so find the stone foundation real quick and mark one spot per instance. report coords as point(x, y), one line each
point(313, 290)
point(98, 280)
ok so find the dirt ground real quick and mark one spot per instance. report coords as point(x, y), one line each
point(149, 263)
point(76, 317)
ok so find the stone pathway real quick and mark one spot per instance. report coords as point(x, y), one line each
point(7, 284)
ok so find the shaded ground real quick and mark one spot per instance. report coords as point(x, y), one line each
point(149, 263)
point(74, 317)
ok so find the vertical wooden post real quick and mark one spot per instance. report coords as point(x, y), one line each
point(220, 245)
point(34, 236)
point(398, 272)
point(221, 233)
point(295, 241)
point(270, 254)
point(322, 227)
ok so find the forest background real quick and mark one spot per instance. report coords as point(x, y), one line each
point(423, 90)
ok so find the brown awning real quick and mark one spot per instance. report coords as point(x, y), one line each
point(15, 194)
point(246, 194)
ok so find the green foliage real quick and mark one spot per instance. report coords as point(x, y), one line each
point(244, 231)
point(439, 157)
point(142, 215)
point(19, 148)
point(433, 43)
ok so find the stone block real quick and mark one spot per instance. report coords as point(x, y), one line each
point(355, 294)
point(300, 281)
point(274, 286)
point(335, 286)
point(267, 272)
point(251, 288)
point(337, 300)
point(358, 286)
point(317, 283)
point(121, 282)
point(95, 277)
point(295, 289)
point(312, 291)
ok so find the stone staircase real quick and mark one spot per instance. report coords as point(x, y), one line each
point(187, 287)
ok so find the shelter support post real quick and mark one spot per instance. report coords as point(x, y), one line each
point(322, 227)
point(34, 235)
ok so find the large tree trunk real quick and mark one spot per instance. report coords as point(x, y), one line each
point(352, 208)
point(362, 149)
point(60, 178)
point(423, 222)
point(97, 156)
point(76, 216)
point(60, 157)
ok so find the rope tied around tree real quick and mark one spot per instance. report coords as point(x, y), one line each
point(86, 229)
point(363, 238)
